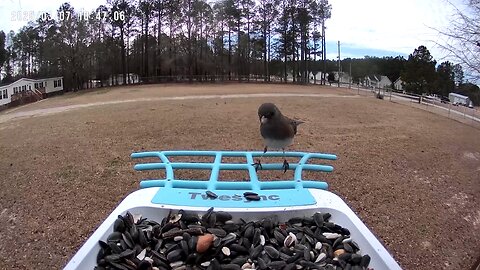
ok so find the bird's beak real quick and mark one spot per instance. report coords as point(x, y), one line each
point(263, 120)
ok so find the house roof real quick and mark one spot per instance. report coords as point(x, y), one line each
point(385, 77)
point(372, 77)
point(377, 77)
point(29, 80)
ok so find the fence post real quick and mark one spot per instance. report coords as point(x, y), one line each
point(473, 115)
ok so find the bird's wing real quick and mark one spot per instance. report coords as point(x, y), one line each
point(293, 123)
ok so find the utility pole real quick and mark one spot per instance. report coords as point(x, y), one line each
point(324, 53)
point(339, 66)
point(350, 79)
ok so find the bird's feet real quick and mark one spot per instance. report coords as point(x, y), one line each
point(257, 165)
point(286, 166)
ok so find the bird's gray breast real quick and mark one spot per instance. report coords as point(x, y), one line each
point(278, 144)
point(277, 134)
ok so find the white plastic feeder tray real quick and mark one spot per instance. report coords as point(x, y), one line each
point(285, 199)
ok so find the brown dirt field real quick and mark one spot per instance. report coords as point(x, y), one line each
point(412, 176)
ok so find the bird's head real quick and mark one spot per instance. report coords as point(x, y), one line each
point(267, 111)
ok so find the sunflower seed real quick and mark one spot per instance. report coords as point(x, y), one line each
point(141, 256)
point(321, 257)
point(272, 252)
point(331, 235)
point(252, 197)
point(313, 242)
point(290, 240)
point(226, 251)
point(210, 194)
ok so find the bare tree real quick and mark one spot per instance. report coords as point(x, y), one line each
point(267, 12)
point(146, 10)
point(462, 38)
point(3, 51)
point(173, 11)
point(321, 11)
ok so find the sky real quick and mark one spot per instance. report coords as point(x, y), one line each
point(367, 27)
point(386, 27)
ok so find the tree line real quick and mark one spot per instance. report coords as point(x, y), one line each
point(192, 38)
point(231, 39)
point(420, 73)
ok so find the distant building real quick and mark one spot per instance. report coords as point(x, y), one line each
point(290, 76)
point(118, 79)
point(398, 84)
point(317, 77)
point(377, 81)
point(370, 81)
point(343, 77)
point(384, 82)
point(458, 99)
point(298, 77)
point(27, 90)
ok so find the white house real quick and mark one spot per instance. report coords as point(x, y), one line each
point(317, 77)
point(377, 81)
point(398, 84)
point(4, 95)
point(370, 81)
point(30, 87)
point(384, 82)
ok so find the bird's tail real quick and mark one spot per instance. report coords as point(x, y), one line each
point(298, 122)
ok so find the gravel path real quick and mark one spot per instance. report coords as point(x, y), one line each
point(11, 115)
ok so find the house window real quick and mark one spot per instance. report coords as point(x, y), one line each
point(24, 88)
point(5, 93)
point(55, 84)
point(59, 83)
point(41, 85)
point(30, 87)
point(36, 85)
point(45, 84)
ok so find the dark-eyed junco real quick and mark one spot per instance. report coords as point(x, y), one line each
point(277, 130)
